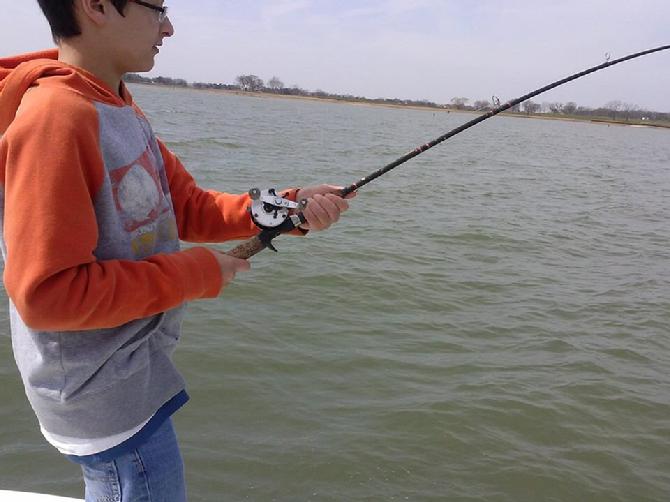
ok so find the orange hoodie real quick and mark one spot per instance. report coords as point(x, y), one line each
point(94, 205)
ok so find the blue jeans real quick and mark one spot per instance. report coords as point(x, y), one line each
point(154, 472)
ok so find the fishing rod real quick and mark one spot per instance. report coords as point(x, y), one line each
point(275, 215)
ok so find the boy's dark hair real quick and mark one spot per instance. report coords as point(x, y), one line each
point(61, 17)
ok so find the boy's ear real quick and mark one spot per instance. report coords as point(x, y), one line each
point(95, 11)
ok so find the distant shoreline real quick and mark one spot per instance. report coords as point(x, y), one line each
point(541, 116)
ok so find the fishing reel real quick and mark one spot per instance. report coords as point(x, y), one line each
point(272, 214)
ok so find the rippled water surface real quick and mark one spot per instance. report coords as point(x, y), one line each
point(487, 323)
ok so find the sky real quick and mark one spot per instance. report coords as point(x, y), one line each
point(409, 49)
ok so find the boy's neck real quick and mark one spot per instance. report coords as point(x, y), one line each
point(92, 63)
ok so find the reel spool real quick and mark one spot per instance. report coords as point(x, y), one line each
point(269, 210)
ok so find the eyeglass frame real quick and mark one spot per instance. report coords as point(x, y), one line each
point(162, 11)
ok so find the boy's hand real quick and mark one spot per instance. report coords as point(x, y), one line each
point(324, 207)
point(230, 266)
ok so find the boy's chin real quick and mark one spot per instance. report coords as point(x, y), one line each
point(146, 68)
point(143, 67)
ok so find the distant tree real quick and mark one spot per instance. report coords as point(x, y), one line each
point(459, 103)
point(629, 109)
point(555, 107)
point(530, 107)
point(134, 78)
point(295, 90)
point(570, 108)
point(482, 105)
point(250, 83)
point(425, 102)
point(275, 84)
point(613, 107)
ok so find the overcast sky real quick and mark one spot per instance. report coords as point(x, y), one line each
point(412, 49)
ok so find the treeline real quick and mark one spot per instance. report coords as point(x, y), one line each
point(613, 110)
point(252, 83)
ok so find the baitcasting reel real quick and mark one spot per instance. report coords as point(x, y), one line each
point(272, 214)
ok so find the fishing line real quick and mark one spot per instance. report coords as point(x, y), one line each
point(267, 203)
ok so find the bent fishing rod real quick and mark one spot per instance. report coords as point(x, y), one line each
point(275, 215)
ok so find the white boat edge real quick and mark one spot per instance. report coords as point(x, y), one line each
point(10, 496)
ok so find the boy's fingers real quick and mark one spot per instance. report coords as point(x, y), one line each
point(324, 210)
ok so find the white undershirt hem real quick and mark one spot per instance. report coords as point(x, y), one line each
point(80, 447)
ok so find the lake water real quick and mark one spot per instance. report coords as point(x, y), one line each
point(488, 322)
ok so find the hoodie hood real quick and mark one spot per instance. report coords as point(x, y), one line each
point(20, 73)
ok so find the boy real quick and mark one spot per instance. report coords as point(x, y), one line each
point(93, 207)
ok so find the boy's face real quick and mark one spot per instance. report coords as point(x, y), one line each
point(138, 34)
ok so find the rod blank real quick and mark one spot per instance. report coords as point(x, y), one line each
point(419, 150)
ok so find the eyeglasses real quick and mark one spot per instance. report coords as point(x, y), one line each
point(162, 11)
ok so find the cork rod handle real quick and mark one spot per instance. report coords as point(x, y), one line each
point(247, 249)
